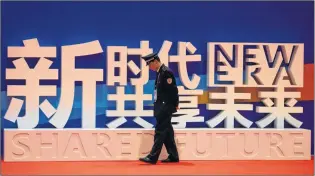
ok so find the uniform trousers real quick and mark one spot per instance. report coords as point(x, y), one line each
point(164, 132)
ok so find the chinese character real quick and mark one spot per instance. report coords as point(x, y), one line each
point(122, 64)
point(88, 77)
point(182, 60)
point(230, 108)
point(120, 97)
point(138, 83)
point(277, 109)
point(32, 90)
point(189, 110)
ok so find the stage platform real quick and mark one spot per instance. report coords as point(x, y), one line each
point(130, 144)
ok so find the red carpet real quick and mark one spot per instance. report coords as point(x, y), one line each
point(182, 168)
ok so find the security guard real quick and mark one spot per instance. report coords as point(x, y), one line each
point(165, 104)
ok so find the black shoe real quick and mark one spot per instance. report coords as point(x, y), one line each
point(169, 160)
point(147, 160)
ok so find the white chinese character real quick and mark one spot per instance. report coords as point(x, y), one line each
point(122, 64)
point(32, 90)
point(279, 112)
point(120, 97)
point(88, 77)
point(229, 109)
point(189, 111)
point(182, 59)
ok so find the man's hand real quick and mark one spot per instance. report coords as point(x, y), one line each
point(177, 108)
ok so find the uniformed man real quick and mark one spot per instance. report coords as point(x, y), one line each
point(165, 104)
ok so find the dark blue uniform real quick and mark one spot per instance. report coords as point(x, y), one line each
point(164, 106)
point(165, 102)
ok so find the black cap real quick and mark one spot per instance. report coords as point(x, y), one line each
point(151, 57)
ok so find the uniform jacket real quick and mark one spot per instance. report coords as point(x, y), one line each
point(167, 93)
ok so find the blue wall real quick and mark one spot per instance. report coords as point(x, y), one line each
point(127, 23)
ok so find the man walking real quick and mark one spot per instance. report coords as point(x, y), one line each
point(165, 104)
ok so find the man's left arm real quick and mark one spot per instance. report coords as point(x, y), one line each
point(171, 87)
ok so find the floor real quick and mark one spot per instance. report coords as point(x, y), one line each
point(182, 168)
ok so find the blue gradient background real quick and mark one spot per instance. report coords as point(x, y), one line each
point(127, 23)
